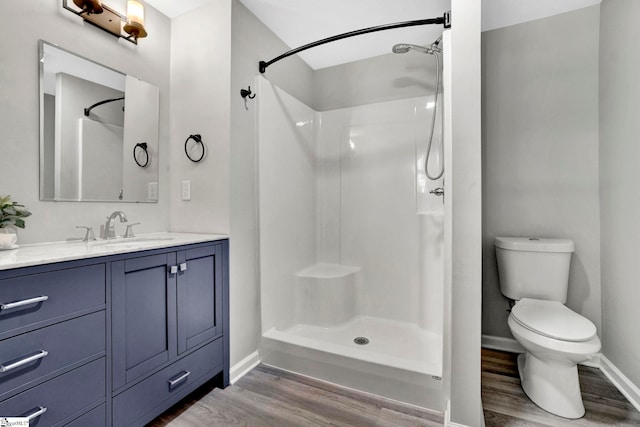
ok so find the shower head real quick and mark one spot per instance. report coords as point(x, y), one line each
point(406, 47)
point(401, 48)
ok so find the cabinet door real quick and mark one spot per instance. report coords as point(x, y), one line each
point(199, 296)
point(143, 315)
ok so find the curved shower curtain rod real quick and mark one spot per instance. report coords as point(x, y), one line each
point(106, 101)
point(444, 20)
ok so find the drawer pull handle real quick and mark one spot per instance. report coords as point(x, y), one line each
point(183, 266)
point(173, 269)
point(17, 304)
point(36, 413)
point(182, 377)
point(32, 358)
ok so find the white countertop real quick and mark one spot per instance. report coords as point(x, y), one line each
point(47, 253)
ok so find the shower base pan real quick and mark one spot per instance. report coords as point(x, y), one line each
point(400, 361)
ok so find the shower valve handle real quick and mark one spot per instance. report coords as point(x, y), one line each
point(438, 191)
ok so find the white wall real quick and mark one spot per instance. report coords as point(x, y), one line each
point(251, 42)
point(463, 186)
point(375, 214)
point(200, 98)
point(287, 199)
point(378, 79)
point(19, 164)
point(540, 150)
point(619, 176)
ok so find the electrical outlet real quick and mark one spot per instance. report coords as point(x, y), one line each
point(186, 190)
point(152, 191)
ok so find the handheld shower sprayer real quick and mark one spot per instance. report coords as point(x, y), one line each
point(406, 47)
point(434, 50)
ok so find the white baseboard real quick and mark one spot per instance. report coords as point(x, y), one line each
point(502, 343)
point(243, 367)
point(620, 380)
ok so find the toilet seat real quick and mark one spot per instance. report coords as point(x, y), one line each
point(553, 320)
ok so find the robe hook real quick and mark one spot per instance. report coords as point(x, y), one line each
point(244, 93)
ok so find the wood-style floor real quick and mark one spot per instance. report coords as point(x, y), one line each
point(271, 397)
point(506, 405)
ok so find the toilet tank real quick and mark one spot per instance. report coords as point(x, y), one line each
point(533, 267)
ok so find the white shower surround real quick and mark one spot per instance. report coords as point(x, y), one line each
point(351, 244)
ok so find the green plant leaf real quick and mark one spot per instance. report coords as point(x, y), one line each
point(11, 213)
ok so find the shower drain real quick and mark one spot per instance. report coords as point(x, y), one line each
point(361, 340)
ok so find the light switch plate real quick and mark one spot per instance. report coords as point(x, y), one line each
point(152, 190)
point(186, 190)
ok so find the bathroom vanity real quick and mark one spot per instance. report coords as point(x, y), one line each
point(112, 333)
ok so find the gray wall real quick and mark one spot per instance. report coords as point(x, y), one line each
point(200, 75)
point(251, 42)
point(19, 123)
point(619, 177)
point(540, 150)
point(378, 79)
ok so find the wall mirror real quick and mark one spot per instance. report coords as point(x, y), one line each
point(98, 131)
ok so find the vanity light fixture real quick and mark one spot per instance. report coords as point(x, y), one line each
point(130, 27)
point(135, 20)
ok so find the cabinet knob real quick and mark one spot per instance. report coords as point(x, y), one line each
point(173, 269)
point(183, 266)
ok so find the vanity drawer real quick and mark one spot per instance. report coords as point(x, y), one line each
point(63, 397)
point(96, 417)
point(28, 357)
point(67, 291)
point(132, 405)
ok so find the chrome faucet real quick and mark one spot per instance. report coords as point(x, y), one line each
point(109, 231)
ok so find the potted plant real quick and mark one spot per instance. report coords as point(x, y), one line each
point(12, 216)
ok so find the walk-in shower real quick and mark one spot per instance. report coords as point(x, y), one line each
point(351, 242)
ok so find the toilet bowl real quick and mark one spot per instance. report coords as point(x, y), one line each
point(556, 340)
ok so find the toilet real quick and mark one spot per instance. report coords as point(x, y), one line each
point(534, 273)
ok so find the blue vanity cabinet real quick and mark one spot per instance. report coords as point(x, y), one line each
point(113, 340)
point(53, 346)
point(169, 328)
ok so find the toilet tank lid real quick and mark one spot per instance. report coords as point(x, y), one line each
point(534, 244)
